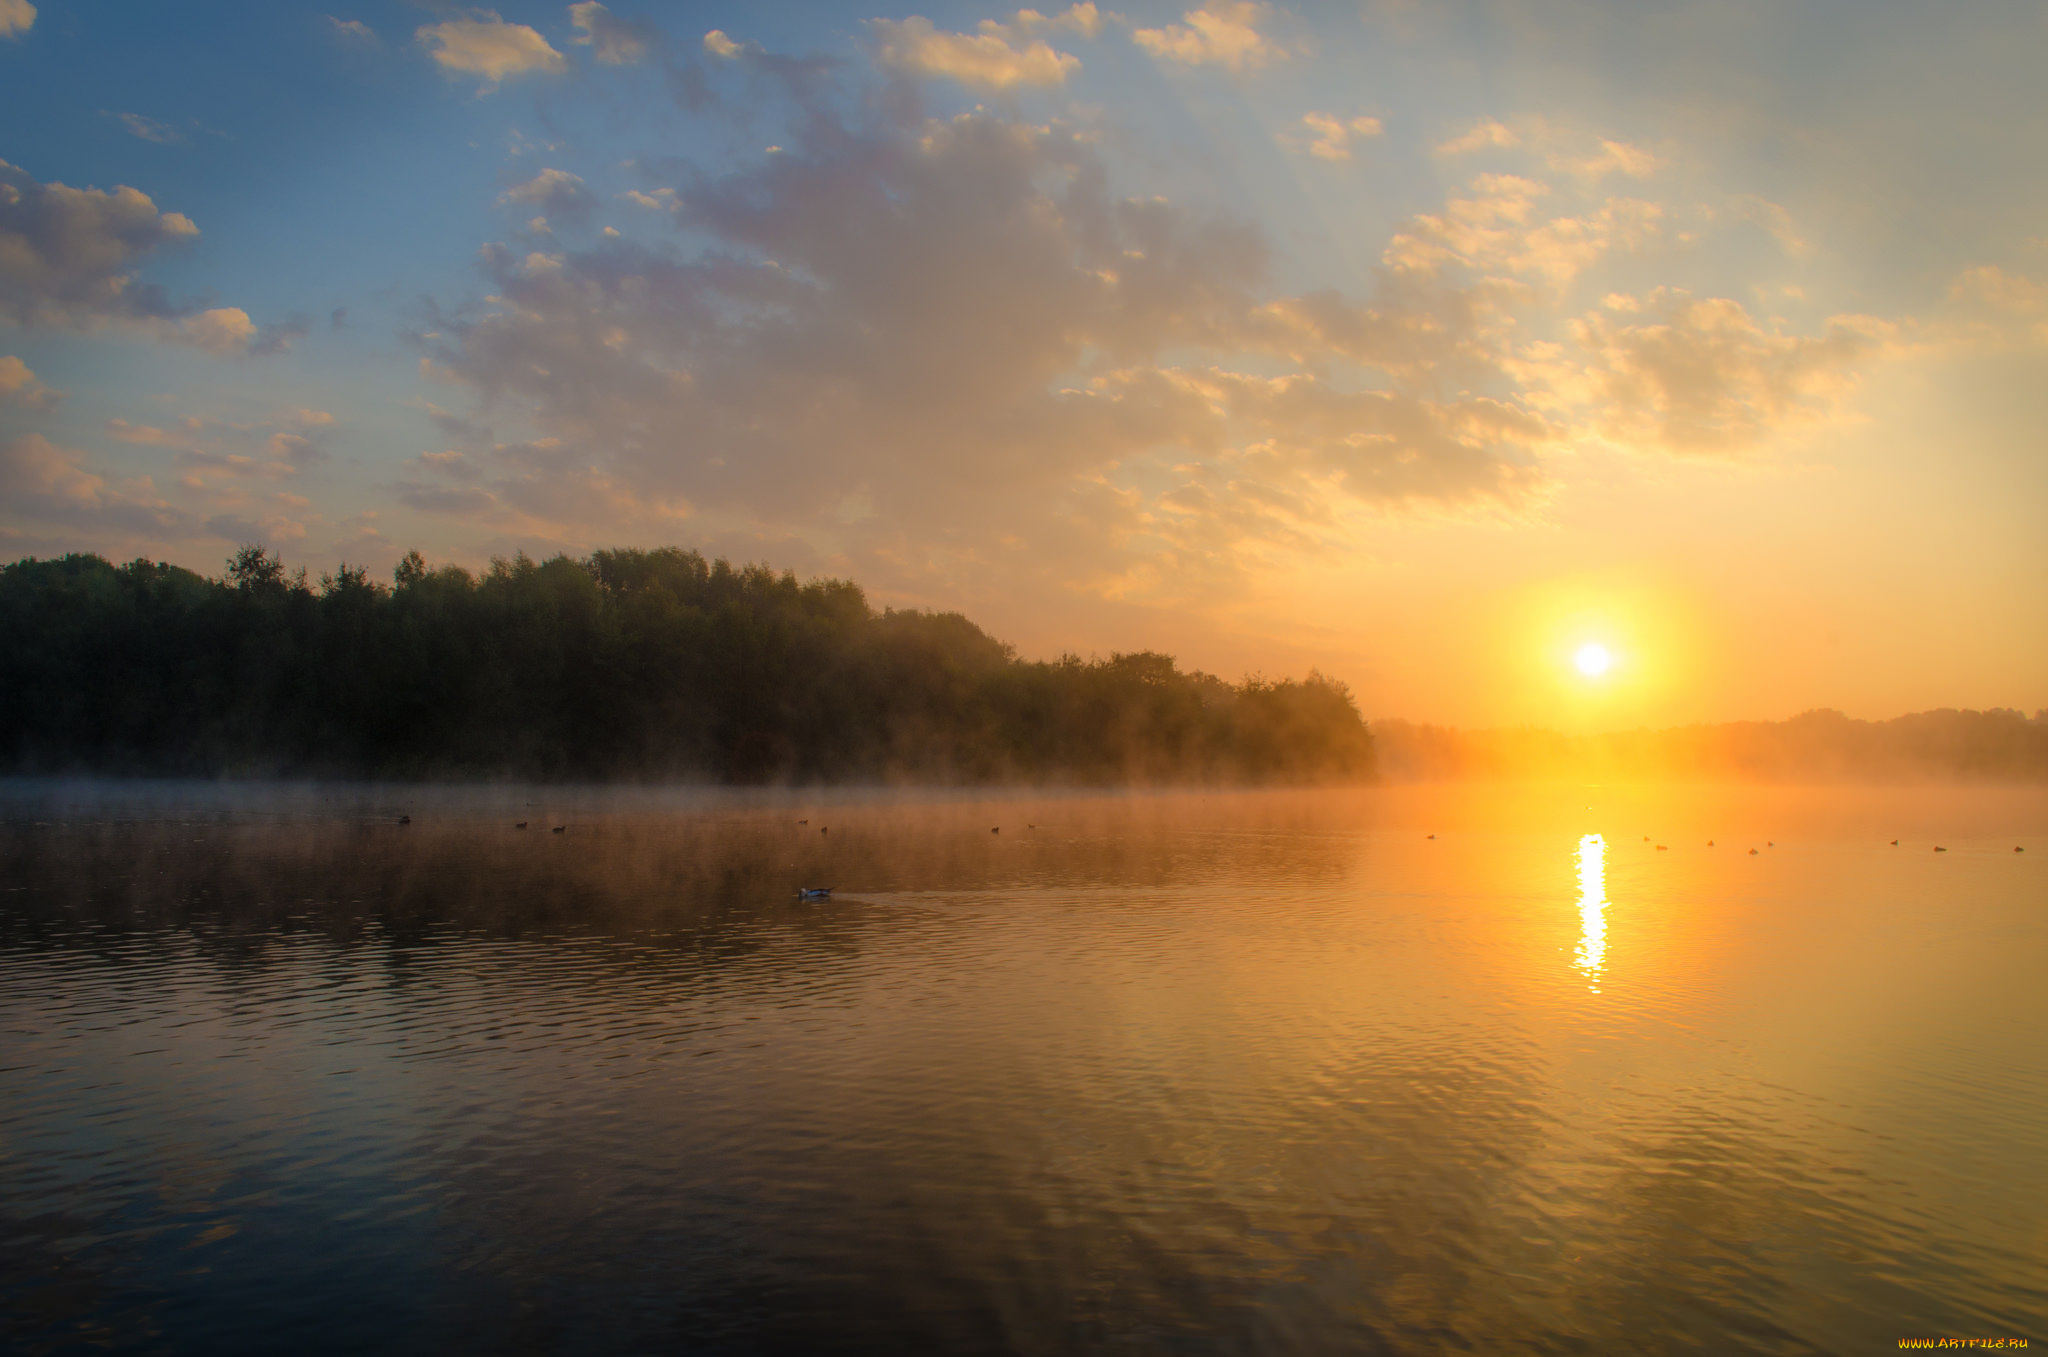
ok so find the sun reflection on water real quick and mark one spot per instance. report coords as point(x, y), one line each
point(1592, 950)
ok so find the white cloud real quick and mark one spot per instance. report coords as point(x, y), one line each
point(719, 45)
point(225, 331)
point(661, 200)
point(556, 193)
point(1221, 33)
point(16, 18)
point(352, 30)
point(1334, 135)
point(485, 45)
point(998, 57)
point(1083, 19)
point(22, 389)
point(613, 41)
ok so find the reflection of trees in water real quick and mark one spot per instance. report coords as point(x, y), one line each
point(237, 877)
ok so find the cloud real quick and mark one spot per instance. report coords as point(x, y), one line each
point(1774, 219)
point(67, 255)
point(719, 45)
point(21, 388)
point(33, 467)
point(613, 41)
point(1992, 309)
point(1611, 157)
point(149, 129)
point(147, 435)
point(1496, 228)
point(2003, 291)
point(1334, 135)
point(820, 361)
point(16, 18)
point(211, 454)
point(809, 358)
point(999, 57)
point(43, 483)
point(1221, 33)
point(1481, 136)
point(352, 30)
point(1669, 372)
point(224, 331)
point(660, 200)
point(484, 45)
point(556, 193)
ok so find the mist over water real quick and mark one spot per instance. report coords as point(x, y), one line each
point(1258, 1072)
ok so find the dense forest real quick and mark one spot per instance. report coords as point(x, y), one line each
point(625, 664)
point(2001, 745)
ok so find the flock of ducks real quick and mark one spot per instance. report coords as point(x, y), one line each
point(825, 892)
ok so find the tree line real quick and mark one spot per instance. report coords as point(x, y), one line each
point(625, 664)
point(2000, 745)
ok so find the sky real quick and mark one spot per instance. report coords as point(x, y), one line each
point(1421, 344)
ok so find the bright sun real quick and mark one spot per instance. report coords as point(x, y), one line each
point(1593, 660)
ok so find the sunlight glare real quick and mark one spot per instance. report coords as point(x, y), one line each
point(1592, 951)
point(1593, 660)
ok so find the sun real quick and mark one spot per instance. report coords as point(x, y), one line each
point(1593, 659)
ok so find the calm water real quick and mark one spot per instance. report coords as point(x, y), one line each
point(1257, 1073)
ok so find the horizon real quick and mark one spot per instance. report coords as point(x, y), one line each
point(1623, 370)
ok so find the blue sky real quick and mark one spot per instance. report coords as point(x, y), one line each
point(1418, 342)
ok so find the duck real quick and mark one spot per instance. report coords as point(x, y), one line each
point(814, 892)
point(997, 830)
point(561, 829)
point(405, 819)
point(1752, 852)
point(1662, 849)
point(1939, 849)
point(520, 825)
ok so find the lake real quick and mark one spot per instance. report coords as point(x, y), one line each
point(1397, 1070)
